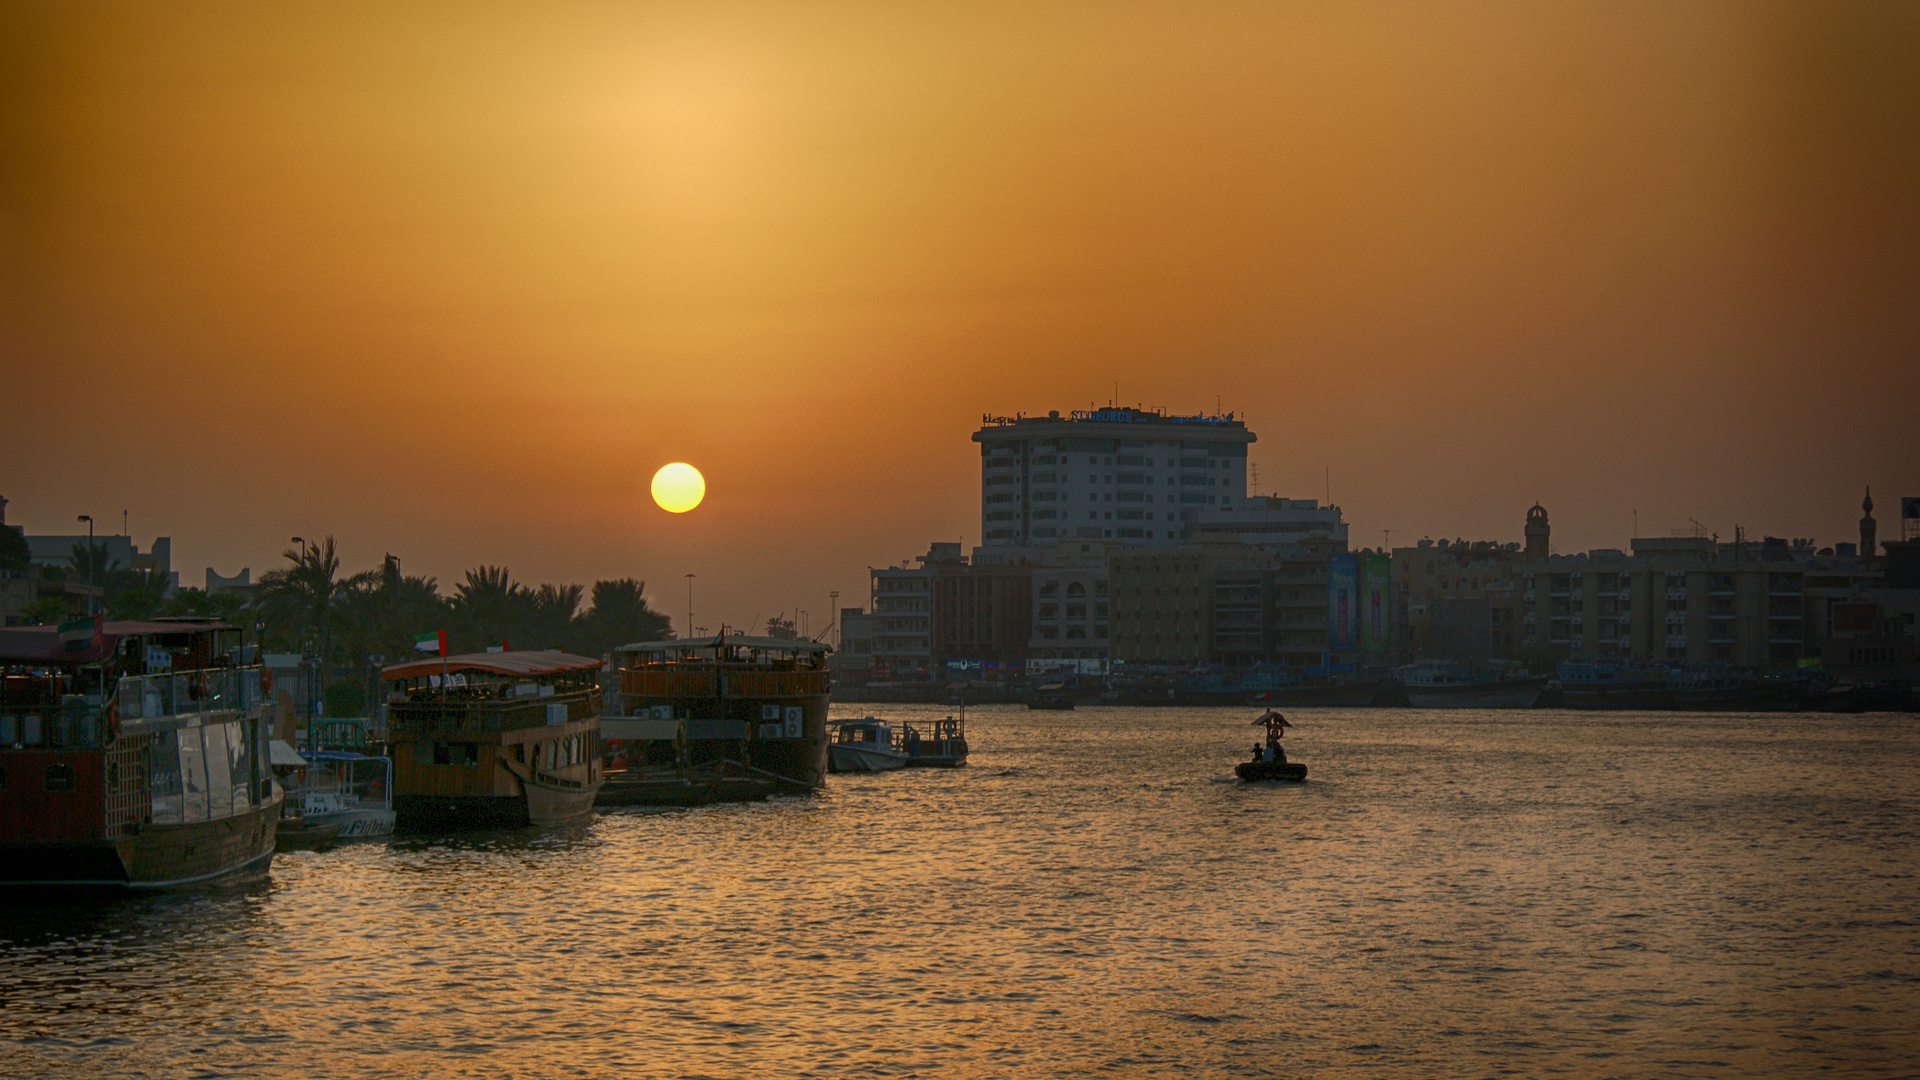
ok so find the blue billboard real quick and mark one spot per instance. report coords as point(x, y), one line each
point(1343, 604)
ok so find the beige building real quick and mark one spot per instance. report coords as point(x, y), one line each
point(1159, 602)
point(1435, 578)
point(1683, 599)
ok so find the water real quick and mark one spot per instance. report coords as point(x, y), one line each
point(1459, 894)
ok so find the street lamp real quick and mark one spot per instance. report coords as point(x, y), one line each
point(91, 559)
point(303, 548)
point(689, 607)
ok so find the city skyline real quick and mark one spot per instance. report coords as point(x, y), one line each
point(456, 295)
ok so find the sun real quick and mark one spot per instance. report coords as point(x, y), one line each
point(678, 487)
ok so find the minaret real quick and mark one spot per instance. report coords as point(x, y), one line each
point(1537, 532)
point(1867, 527)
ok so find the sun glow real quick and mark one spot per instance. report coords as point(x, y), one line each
point(678, 487)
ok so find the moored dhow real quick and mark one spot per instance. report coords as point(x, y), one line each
point(1435, 684)
point(498, 739)
point(753, 704)
point(132, 755)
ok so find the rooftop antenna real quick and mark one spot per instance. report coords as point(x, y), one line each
point(1387, 545)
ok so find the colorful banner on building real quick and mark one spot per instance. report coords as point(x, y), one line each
point(1343, 604)
point(1375, 613)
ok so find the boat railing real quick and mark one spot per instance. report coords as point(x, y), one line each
point(723, 680)
point(71, 723)
point(178, 693)
point(456, 715)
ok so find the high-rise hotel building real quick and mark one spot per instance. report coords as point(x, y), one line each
point(1127, 475)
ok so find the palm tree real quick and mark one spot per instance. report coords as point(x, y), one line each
point(93, 565)
point(135, 594)
point(383, 620)
point(490, 607)
point(620, 616)
point(307, 594)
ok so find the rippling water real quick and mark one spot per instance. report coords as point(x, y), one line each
point(1462, 894)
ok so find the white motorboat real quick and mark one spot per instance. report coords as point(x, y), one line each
point(352, 791)
point(866, 745)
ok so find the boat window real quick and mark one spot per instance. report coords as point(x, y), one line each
point(455, 753)
point(59, 778)
point(219, 774)
point(193, 776)
point(164, 778)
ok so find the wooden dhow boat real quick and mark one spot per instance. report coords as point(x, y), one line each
point(498, 739)
point(752, 705)
point(133, 755)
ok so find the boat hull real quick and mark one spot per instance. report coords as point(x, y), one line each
point(1254, 772)
point(1353, 695)
point(1514, 695)
point(1643, 696)
point(558, 804)
point(360, 824)
point(158, 856)
point(853, 757)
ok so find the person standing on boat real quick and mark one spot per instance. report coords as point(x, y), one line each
point(1275, 725)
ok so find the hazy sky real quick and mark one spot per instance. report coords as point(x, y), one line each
point(452, 281)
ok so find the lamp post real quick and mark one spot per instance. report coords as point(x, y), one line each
point(303, 549)
point(689, 607)
point(92, 557)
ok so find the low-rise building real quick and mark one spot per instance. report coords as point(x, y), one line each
point(1456, 599)
point(902, 621)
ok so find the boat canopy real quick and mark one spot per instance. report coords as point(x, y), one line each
point(521, 662)
point(41, 645)
point(682, 646)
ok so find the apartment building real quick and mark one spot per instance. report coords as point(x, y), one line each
point(1133, 476)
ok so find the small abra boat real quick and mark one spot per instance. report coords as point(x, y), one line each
point(866, 745)
point(942, 747)
point(1051, 696)
point(352, 792)
point(1254, 772)
point(1270, 761)
point(300, 834)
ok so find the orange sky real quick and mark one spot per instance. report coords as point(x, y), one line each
point(452, 280)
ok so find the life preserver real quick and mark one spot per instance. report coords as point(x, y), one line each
point(266, 681)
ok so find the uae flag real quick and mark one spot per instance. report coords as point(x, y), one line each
point(434, 641)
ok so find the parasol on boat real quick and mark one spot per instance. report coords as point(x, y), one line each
point(1271, 719)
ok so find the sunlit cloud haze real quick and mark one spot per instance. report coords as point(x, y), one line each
point(453, 281)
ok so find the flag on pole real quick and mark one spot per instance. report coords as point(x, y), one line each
point(434, 641)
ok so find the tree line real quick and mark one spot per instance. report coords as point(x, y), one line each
point(309, 606)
